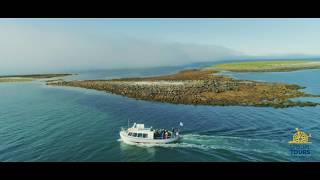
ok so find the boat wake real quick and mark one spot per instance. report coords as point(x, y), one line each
point(209, 142)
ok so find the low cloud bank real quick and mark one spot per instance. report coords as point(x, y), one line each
point(27, 49)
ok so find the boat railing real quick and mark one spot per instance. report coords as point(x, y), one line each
point(173, 135)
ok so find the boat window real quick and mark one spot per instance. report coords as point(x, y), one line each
point(130, 134)
point(145, 135)
point(134, 134)
point(139, 134)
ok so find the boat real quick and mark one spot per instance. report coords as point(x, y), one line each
point(139, 134)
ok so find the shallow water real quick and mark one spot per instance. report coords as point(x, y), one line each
point(45, 123)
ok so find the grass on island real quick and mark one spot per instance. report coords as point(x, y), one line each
point(267, 66)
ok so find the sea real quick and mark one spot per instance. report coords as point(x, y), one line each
point(40, 123)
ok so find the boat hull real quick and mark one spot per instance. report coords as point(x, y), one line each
point(128, 139)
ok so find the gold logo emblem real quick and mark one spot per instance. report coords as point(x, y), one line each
point(300, 137)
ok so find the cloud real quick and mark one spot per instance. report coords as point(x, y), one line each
point(36, 49)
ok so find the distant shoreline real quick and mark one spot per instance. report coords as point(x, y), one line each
point(30, 77)
point(267, 66)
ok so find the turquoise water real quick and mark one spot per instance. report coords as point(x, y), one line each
point(44, 123)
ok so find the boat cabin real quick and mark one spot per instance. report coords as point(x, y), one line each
point(138, 130)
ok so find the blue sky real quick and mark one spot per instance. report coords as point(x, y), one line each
point(61, 38)
point(252, 36)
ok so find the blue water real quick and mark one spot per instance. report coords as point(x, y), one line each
point(45, 123)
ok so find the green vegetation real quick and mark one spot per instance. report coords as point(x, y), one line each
point(15, 79)
point(268, 66)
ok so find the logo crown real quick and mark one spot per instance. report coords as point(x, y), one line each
point(300, 137)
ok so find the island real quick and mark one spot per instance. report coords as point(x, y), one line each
point(30, 77)
point(267, 66)
point(198, 87)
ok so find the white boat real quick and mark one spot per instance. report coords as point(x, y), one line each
point(139, 134)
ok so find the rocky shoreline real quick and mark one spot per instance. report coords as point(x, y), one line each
point(198, 87)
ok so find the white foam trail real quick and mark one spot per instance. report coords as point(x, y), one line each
point(206, 143)
point(208, 137)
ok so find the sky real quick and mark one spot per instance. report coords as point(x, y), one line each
point(35, 45)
